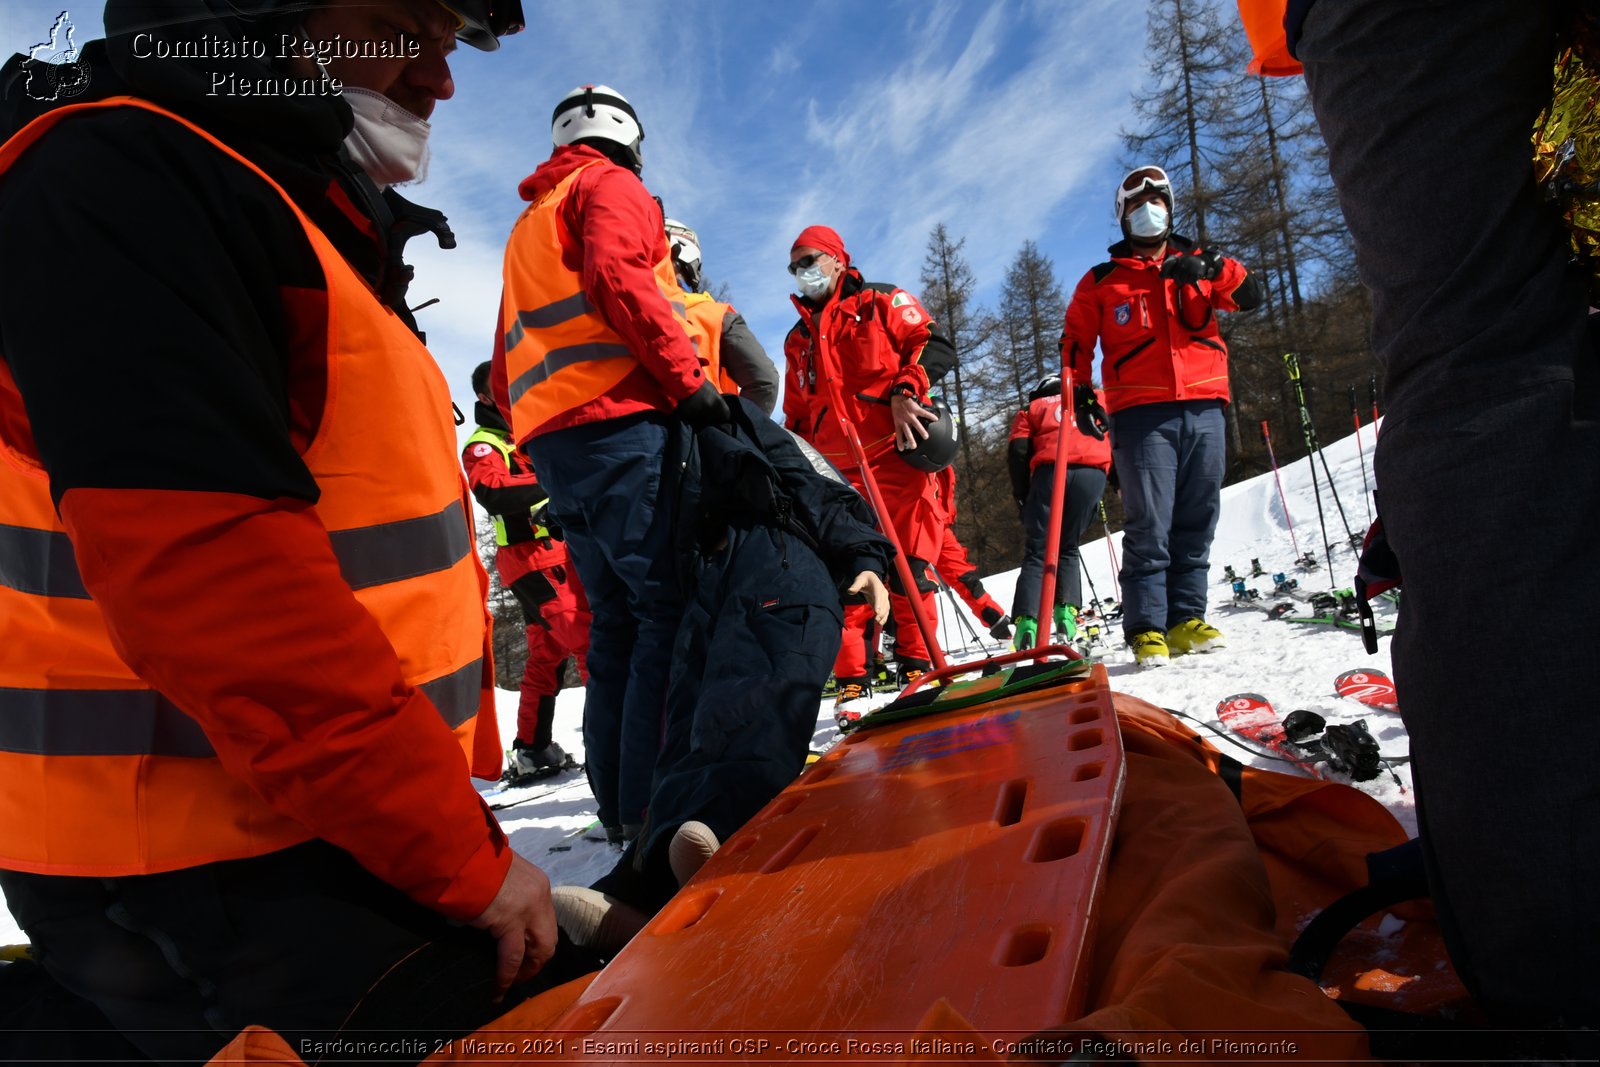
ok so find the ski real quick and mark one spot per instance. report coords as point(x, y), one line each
point(1369, 686)
point(1306, 740)
point(1284, 613)
point(1251, 716)
point(512, 795)
point(1334, 620)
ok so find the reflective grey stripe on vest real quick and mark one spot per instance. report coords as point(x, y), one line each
point(39, 562)
point(393, 551)
point(560, 358)
point(97, 722)
point(142, 722)
point(456, 694)
point(564, 310)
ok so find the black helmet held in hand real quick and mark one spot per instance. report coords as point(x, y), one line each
point(937, 451)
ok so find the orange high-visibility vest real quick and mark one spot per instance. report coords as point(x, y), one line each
point(1263, 24)
point(706, 315)
point(100, 775)
point(560, 352)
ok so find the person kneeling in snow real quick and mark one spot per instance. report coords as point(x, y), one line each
point(770, 538)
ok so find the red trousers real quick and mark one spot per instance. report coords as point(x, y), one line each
point(545, 583)
point(917, 519)
point(960, 574)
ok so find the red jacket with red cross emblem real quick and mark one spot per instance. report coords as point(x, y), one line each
point(872, 337)
point(1159, 340)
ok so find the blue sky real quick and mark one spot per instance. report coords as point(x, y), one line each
point(880, 118)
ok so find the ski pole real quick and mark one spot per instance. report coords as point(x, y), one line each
point(1293, 362)
point(1372, 394)
point(1311, 460)
point(1366, 489)
point(1094, 594)
point(1266, 437)
point(944, 623)
point(902, 565)
point(1058, 499)
point(1105, 524)
point(960, 611)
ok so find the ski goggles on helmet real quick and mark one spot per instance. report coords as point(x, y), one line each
point(1138, 182)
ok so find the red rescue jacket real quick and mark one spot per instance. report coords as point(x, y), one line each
point(870, 337)
point(1040, 422)
point(1158, 345)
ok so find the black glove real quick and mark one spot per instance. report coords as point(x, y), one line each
point(703, 407)
point(540, 516)
point(1092, 418)
point(1190, 270)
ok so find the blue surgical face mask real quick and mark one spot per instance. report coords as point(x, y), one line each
point(1148, 220)
point(812, 283)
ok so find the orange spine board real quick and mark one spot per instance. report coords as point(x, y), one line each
point(949, 861)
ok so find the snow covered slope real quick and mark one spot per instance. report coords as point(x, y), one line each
point(1292, 665)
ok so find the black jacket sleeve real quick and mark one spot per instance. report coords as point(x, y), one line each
point(1249, 295)
point(509, 501)
point(938, 356)
point(1017, 455)
point(144, 315)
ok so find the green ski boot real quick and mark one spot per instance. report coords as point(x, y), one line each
point(1066, 622)
point(1027, 632)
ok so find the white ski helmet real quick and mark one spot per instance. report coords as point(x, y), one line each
point(685, 246)
point(597, 112)
point(1137, 181)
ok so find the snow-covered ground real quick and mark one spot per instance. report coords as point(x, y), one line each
point(1292, 665)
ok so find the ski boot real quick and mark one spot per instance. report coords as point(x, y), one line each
point(1282, 583)
point(525, 764)
point(909, 670)
point(998, 622)
point(1228, 574)
point(1196, 635)
point(851, 692)
point(1027, 634)
point(878, 675)
point(1066, 621)
point(1149, 648)
point(1243, 595)
point(1256, 570)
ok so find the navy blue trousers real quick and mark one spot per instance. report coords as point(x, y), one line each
point(1085, 487)
point(605, 486)
point(1170, 460)
point(755, 648)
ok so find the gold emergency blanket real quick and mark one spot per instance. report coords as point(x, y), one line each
point(1566, 141)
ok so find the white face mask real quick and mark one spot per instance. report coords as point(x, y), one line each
point(812, 283)
point(1148, 220)
point(387, 141)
